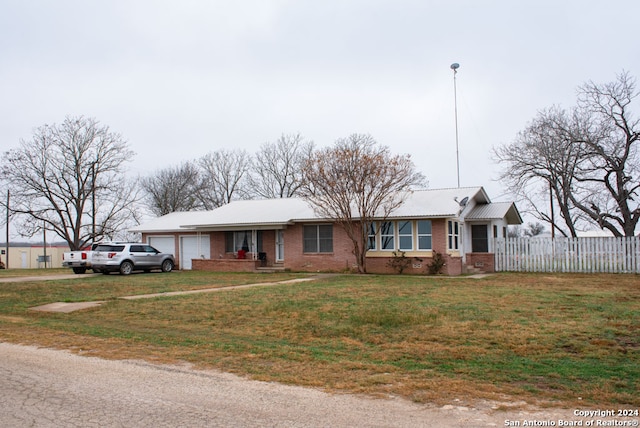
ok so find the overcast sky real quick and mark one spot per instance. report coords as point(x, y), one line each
point(179, 79)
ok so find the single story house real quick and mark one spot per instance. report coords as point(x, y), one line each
point(286, 233)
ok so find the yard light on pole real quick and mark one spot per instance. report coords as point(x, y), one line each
point(455, 66)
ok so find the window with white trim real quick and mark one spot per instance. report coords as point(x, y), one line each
point(405, 235)
point(387, 236)
point(318, 238)
point(372, 241)
point(424, 235)
point(453, 235)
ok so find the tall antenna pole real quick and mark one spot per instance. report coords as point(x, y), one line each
point(455, 66)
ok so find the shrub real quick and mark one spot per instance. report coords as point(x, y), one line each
point(399, 261)
point(436, 265)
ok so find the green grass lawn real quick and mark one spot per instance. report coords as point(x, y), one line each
point(11, 273)
point(563, 339)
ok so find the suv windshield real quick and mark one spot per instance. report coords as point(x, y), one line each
point(110, 248)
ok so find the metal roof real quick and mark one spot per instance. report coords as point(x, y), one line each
point(438, 202)
point(277, 213)
point(170, 222)
point(496, 210)
point(274, 212)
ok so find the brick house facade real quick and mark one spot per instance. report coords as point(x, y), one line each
point(286, 234)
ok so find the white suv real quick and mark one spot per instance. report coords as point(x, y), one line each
point(127, 257)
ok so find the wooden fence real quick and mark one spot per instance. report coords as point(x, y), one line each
point(589, 255)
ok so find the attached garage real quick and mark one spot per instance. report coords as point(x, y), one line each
point(194, 247)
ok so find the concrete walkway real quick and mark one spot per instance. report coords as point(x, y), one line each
point(76, 306)
point(65, 307)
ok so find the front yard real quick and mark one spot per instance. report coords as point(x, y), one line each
point(561, 339)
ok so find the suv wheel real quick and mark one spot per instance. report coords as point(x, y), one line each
point(79, 270)
point(126, 268)
point(167, 266)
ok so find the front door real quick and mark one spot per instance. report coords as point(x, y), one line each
point(479, 238)
point(279, 245)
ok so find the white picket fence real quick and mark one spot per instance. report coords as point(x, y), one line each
point(589, 255)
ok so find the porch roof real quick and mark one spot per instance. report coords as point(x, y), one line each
point(496, 210)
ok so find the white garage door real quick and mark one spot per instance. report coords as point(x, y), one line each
point(193, 247)
point(166, 244)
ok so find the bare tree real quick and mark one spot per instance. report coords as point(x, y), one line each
point(224, 177)
point(69, 178)
point(172, 189)
point(544, 160)
point(277, 167)
point(534, 229)
point(514, 231)
point(611, 176)
point(355, 182)
point(587, 158)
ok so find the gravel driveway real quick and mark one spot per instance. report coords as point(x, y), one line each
point(51, 388)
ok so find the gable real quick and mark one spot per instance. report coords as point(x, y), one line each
point(495, 211)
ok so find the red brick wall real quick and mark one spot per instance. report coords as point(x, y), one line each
point(269, 245)
point(453, 265)
point(380, 265)
point(439, 235)
point(339, 260)
point(481, 261)
point(342, 257)
point(217, 242)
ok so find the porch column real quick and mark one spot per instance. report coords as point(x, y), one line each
point(254, 244)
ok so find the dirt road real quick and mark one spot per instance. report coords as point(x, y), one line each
point(50, 388)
